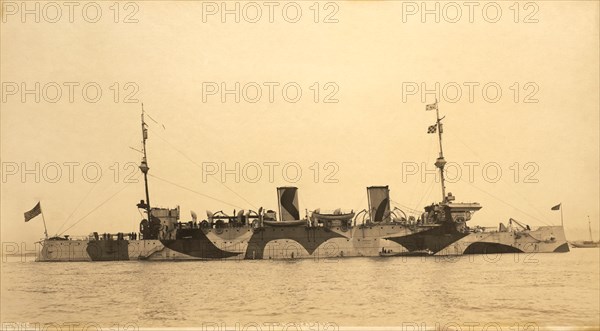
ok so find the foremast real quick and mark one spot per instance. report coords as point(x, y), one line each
point(144, 164)
point(446, 210)
point(440, 162)
point(590, 226)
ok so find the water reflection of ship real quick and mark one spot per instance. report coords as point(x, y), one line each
point(390, 253)
point(247, 234)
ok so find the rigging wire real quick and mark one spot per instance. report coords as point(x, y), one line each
point(413, 211)
point(426, 194)
point(196, 164)
point(155, 121)
point(81, 202)
point(100, 205)
point(504, 202)
point(464, 144)
point(362, 200)
point(510, 190)
point(189, 159)
point(137, 176)
point(429, 155)
point(77, 207)
point(428, 191)
point(193, 191)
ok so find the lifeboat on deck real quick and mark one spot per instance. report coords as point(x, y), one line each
point(335, 219)
point(284, 223)
point(336, 215)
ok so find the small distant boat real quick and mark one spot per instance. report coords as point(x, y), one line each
point(587, 244)
point(390, 253)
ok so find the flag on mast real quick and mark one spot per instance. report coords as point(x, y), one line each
point(432, 129)
point(33, 212)
point(557, 207)
point(431, 106)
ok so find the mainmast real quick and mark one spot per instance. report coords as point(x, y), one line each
point(590, 225)
point(144, 165)
point(440, 162)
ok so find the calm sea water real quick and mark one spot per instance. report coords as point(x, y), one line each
point(514, 292)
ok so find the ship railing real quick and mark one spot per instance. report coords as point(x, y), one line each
point(483, 229)
point(111, 236)
point(337, 211)
point(199, 225)
point(508, 229)
point(80, 238)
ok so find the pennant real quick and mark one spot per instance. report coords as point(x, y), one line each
point(431, 106)
point(557, 207)
point(432, 129)
point(33, 212)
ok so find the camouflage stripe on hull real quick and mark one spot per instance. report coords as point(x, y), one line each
point(490, 248)
point(304, 242)
point(309, 238)
point(434, 239)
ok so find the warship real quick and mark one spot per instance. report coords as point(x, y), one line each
point(378, 231)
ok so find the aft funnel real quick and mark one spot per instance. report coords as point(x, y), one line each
point(379, 203)
point(287, 198)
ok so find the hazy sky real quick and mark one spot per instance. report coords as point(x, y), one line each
point(373, 58)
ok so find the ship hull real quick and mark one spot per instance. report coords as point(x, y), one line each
point(246, 243)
